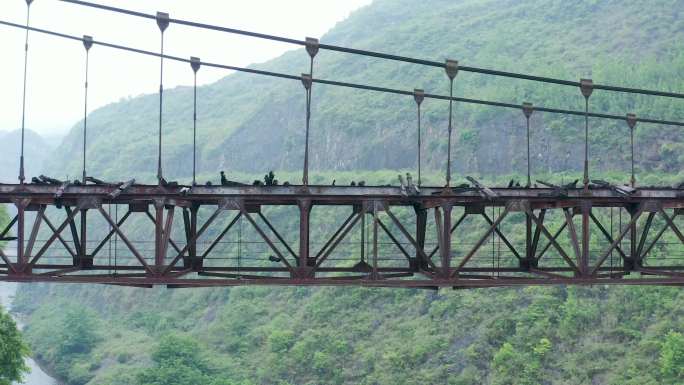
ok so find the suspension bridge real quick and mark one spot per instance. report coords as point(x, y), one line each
point(407, 235)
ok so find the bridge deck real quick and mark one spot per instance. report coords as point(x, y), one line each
point(339, 195)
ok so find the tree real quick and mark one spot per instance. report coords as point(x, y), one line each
point(672, 357)
point(178, 361)
point(78, 332)
point(13, 351)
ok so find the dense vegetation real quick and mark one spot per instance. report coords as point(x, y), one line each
point(601, 335)
point(13, 349)
point(279, 336)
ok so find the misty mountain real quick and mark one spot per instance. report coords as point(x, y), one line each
point(37, 149)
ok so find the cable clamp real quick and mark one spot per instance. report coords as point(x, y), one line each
point(451, 67)
point(528, 109)
point(418, 95)
point(631, 120)
point(312, 46)
point(195, 63)
point(306, 81)
point(87, 42)
point(162, 21)
point(587, 87)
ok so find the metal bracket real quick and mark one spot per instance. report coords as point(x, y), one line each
point(162, 21)
point(195, 63)
point(418, 95)
point(306, 81)
point(587, 87)
point(311, 46)
point(451, 67)
point(631, 121)
point(527, 109)
point(87, 42)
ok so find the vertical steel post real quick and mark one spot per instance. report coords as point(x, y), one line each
point(586, 237)
point(22, 259)
point(419, 96)
point(586, 87)
point(193, 237)
point(304, 232)
point(633, 211)
point(23, 103)
point(87, 43)
point(190, 222)
point(375, 241)
point(195, 64)
point(451, 67)
point(84, 237)
point(529, 252)
point(421, 229)
point(162, 23)
point(446, 240)
point(363, 233)
point(158, 235)
point(631, 122)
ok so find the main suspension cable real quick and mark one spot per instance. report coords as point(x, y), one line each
point(380, 55)
point(350, 85)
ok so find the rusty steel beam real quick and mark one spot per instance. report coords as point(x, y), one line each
point(450, 282)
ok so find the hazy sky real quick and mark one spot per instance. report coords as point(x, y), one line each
point(56, 66)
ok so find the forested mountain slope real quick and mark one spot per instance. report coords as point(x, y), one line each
point(252, 123)
point(297, 336)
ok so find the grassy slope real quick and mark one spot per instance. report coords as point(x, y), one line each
point(322, 336)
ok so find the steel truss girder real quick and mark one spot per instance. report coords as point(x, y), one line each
point(292, 267)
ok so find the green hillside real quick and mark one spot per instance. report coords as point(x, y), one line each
point(302, 336)
point(251, 123)
point(321, 336)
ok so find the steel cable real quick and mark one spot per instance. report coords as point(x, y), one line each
point(350, 85)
